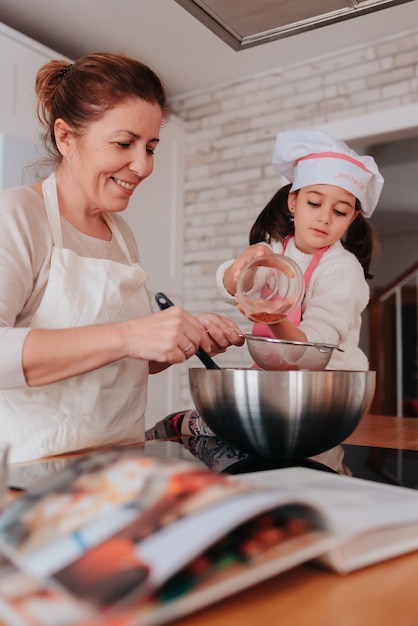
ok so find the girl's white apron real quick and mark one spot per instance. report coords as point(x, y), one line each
point(100, 407)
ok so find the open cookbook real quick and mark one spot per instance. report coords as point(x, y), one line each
point(121, 538)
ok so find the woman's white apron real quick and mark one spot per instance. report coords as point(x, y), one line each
point(101, 407)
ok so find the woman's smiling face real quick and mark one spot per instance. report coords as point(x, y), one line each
point(114, 155)
point(322, 214)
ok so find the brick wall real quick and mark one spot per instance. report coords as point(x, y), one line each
point(230, 138)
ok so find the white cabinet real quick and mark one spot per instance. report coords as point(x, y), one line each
point(16, 155)
point(21, 58)
point(155, 214)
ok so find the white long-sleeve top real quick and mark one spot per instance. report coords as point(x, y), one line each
point(26, 248)
point(334, 301)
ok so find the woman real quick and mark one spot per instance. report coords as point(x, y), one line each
point(77, 334)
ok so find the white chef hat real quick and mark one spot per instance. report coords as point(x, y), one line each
point(310, 157)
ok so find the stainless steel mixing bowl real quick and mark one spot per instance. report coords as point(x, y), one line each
point(282, 415)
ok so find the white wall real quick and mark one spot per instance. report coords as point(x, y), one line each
point(155, 214)
point(16, 154)
point(230, 139)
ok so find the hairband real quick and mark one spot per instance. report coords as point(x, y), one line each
point(65, 70)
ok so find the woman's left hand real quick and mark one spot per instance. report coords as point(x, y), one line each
point(222, 332)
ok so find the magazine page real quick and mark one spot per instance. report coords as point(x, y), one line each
point(97, 496)
point(261, 549)
point(265, 546)
point(113, 527)
point(373, 521)
point(28, 601)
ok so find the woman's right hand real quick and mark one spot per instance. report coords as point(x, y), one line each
point(231, 275)
point(163, 338)
point(169, 336)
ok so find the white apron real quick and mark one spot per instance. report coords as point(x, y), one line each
point(101, 407)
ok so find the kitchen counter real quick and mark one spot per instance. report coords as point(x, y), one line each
point(386, 431)
point(379, 595)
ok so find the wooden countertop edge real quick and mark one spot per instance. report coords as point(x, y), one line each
point(386, 431)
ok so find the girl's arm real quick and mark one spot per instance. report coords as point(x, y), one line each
point(335, 300)
point(336, 297)
point(287, 330)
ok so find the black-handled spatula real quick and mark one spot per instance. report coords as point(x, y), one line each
point(164, 303)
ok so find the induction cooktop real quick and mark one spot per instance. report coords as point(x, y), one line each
point(398, 467)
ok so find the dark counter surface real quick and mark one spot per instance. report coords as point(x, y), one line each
point(382, 448)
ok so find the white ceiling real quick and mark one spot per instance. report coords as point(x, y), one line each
point(190, 57)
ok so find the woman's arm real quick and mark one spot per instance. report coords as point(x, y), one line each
point(26, 245)
point(36, 356)
point(50, 355)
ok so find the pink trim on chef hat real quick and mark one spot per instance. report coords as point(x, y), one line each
point(311, 157)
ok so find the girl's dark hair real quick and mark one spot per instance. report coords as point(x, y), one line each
point(360, 239)
point(275, 220)
point(81, 92)
point(275, 223)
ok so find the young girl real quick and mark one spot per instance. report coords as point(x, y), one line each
point(318, 220)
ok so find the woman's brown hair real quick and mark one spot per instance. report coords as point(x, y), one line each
point(80, 92)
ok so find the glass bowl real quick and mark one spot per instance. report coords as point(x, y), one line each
point(269, 288)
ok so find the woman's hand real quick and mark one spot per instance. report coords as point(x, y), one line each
point(255, 251)
point(174, 335)
point(169, 336)
point(221, 331)
point(163, 338)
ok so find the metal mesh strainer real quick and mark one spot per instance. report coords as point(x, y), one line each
point(280, 354)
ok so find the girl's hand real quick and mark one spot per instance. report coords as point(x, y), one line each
point(231, 275)
point(267, 311)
